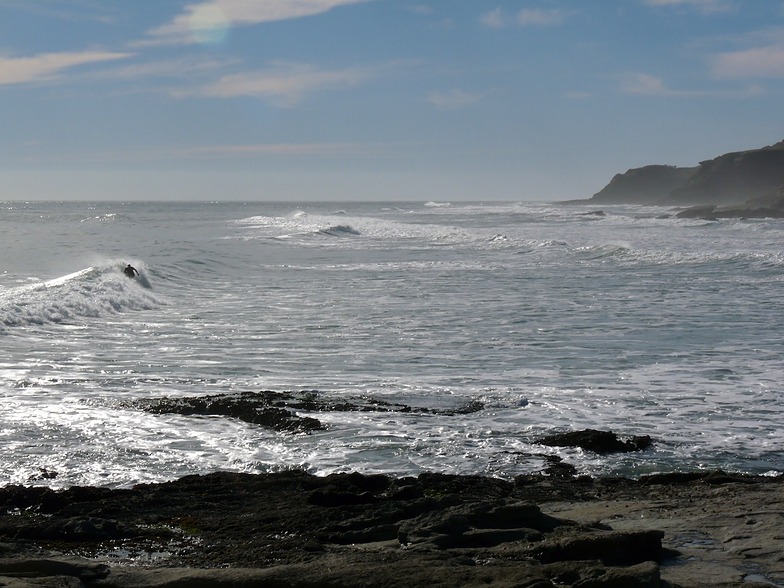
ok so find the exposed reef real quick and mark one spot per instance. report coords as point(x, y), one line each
point(291, 529)
point(597, 441)
point(278, 410)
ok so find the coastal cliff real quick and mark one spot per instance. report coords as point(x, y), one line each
point(743, 183)
point(650, 185)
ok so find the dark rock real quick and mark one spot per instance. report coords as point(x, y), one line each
point(254, 408)
point(558, 468)
point(331, 497)
point(612, 548)
point(772, 208)
point(643, 575)
point(85, 529)
point(468, 408)
point(494, 537)
point(353, 483)
point(290, 528)
point(703, 211)
point(464, 487)
point(386, 532)
point(597, 441)
point(407, 492)
point(40, 568)
point(276, 410)
point(43, 474)
point(673, 478)
point(478, 525)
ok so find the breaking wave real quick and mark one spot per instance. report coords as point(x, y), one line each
point(87, 293)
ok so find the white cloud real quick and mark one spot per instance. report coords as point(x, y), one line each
point(48, 66)
point(71, 11)
point(208, 21)
point(761, 62)
point(497, 19)
point(645, 84)
point(705, 6)
point(533, 17)
point(422, 9)
point(183, 68)
point(284, 84)
point(494, 19)
point(452, 99)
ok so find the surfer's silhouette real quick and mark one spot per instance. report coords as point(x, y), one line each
point(130, 271)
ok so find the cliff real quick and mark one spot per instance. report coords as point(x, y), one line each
point(651, 184)
point(743, 180)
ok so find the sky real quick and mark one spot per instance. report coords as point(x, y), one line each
point(433, 100)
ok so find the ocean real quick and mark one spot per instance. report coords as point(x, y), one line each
point(549, 318)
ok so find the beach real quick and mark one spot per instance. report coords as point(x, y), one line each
point(294, 529)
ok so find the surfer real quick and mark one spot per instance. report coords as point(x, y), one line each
point(131, 271)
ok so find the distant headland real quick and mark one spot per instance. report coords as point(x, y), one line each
point(743, 184)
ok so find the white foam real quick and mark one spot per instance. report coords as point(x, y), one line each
point(87, 293)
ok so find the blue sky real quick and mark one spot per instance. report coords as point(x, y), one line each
point(376, 99)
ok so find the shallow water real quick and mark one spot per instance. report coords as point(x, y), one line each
point(554, 319)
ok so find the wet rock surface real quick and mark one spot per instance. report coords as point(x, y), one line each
point(598, 441)
point(279, 410)
point(294, 529)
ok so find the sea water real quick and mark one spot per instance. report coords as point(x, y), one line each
point(630, 320)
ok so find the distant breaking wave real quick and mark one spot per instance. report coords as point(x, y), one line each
point(339, 231)
point(302, 226)
point(88, 293)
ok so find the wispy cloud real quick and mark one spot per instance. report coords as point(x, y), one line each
point(277, 149)
point(642, 84)
point(704, 6)
point(284, 84)
point(494, 19)
point(49, 66)
point(533, 17)
point(176, 69)
point(69, 11)
point(452, 99)
point(217, 152)
point(760, 62)
point(527, 17)
point(422, 9)
point(207, 21)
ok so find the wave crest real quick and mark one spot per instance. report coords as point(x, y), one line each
point(88, 293)
point(339, 231)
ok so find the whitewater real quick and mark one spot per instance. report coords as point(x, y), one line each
point(553, 317)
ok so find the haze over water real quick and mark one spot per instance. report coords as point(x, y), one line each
point(552, 318)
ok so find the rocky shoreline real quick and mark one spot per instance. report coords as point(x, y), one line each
point(293, 529)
